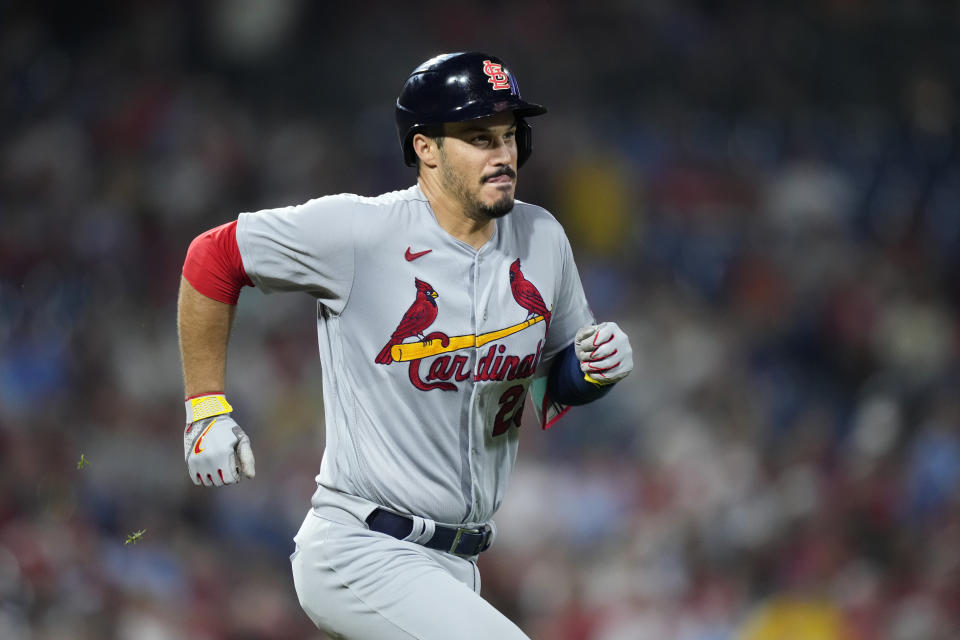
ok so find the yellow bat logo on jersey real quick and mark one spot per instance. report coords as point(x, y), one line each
point(419, 350)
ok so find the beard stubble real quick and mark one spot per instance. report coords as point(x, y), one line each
point(472, 206)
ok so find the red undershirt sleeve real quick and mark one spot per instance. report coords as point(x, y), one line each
point(213, 265)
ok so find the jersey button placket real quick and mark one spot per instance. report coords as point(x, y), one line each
point(476, 397)
point(473, 443)
point(482, 283)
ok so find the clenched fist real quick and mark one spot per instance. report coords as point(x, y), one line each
point(216, 449)
point(604, 353)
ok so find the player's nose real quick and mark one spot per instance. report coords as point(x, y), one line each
point(504, 152)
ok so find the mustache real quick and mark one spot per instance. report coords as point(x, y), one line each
point(504, 171)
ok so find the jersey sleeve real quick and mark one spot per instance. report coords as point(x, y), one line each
point(308, 247)
point(570, 311)
point(213, 265)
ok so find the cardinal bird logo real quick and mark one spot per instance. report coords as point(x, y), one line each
point(418, 317)
point(527, 295)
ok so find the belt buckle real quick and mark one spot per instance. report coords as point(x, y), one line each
point(484, 531)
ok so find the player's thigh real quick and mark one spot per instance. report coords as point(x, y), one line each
point(359, 584)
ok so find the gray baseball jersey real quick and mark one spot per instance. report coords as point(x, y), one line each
point(428, 345)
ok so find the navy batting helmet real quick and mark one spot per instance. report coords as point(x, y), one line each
point(454, 87)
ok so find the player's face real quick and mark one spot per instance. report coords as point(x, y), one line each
point(478, 164)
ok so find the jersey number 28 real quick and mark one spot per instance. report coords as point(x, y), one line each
point(511, 409)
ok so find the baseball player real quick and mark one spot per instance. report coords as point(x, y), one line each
point(440, 309)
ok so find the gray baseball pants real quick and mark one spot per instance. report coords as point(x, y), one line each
point(359, 584)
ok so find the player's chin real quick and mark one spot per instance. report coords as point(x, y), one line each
point(499, 207)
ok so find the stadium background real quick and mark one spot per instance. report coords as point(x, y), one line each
point(765, 195)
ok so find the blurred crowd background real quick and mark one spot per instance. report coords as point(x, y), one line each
point(765, 195)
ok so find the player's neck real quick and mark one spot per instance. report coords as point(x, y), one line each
point(452, 218)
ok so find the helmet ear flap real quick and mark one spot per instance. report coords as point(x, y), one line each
point(524, 141)
point(409, 155)
point(431, 131)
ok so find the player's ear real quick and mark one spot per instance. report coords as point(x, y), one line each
point(426, 149)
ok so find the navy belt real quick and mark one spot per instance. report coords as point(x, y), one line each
point(459, 541)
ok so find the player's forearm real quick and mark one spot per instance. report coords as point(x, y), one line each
point(203, 325)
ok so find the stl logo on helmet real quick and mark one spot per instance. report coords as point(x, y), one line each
point(497, 76)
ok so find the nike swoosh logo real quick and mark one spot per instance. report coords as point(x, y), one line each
point(411, 256)
point(197, 448)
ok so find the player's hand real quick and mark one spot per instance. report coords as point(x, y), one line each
point(216, 449)
point(604, 352)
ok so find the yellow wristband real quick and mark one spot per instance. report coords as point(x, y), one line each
point(202, 407)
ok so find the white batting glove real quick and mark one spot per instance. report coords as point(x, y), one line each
point(216, 449)
point(604, 353)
